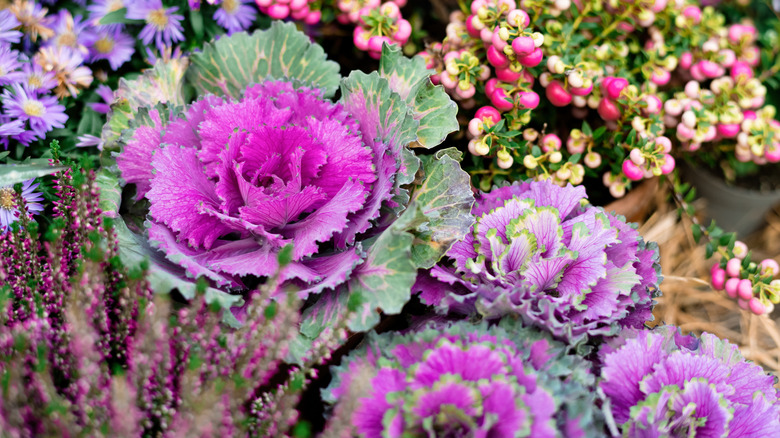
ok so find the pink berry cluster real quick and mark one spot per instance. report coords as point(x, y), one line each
point(661, 77)
point(306, 11)
point(375, 24)
point(752, 285)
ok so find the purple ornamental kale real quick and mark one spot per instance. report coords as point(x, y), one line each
point(538, 252)
point(661, 384)
point(462, 380)
point(239, 180)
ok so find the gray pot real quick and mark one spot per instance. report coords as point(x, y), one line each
point(732, 208)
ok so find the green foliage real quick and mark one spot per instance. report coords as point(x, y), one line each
point(227, 66)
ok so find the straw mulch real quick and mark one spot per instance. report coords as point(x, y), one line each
point(690, 302)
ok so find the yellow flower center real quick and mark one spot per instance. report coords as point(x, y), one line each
point(230, 6)
point(67, 39)
point(158, 18)
point(7, 198)
point(104, 45)
point(33, 108)
point(34, 81)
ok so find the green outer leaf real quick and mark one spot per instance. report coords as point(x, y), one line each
point(159, 84)
point(12, 174)
point(163, 276)
point(117, 17)
point(384, 281)
point(442, 205)
point(430, 104)
point(110, 192)
point(227, 66)
point(381, 112)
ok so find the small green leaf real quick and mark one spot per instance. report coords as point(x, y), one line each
point(228, 65)
point(110, 192)
point(117, 17)
point(196, 21)
point(430, 104)
point(11, 174)
point(696, 233)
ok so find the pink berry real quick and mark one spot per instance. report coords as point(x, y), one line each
point(660, 76)
point(467, 93)
point(745, 289)
point(551, 142)
point(665, 143)
point(728, 131)
point(473, 32)
point(710, 69)
point(608, 110)
point(668, 166)
point(531, 60)
point(686, 59)
point(501, 100)
point(507, 75)
point(741, 69)
point(692, 12)
point(718, 278)
point(523, 45)
point(731, 287)
point(757, 307)
point(528, 99)
point(632, 171)
point(490, 86)
point(733, 267)
point(615, 87)
point(556, 94)
point(769, 267)
point(376, 41)
point(404, 30)
point(582, 91)
point(278, 11)
point(496, 41)
point(313, 17)
point(488, 112)
point(518, 18)
point(744, 305)
point(497, 58)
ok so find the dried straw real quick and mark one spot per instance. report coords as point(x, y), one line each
point(688, 299)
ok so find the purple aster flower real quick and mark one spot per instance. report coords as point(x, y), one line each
point(535, 251)
point(658, 383)
point(36, 79)
point(9, 210)
point(111, 44)
point(162, 25)
point(33, 20)
point(43, 113)
point(69, 31)
point(463, 380)
point(107, 94)
point(89, 140)
point(100, 8)
point(9, 66)
point(235, 15)
point(67, 66)
point(8, 25)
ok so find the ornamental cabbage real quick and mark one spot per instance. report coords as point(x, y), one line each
point(262, 159)
point(659, 383)
point(539, 252)
point(462, 380)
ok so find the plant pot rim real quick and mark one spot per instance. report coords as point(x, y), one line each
point(710, 178)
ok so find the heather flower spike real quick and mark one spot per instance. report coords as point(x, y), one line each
point(464, 380)
point(538, 252)
point(262, 159)
point(660, 383)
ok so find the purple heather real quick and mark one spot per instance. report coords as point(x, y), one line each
point(537, 252)
point(9, 208)
point(235, 15)
point(163, 26)
point(462, 380)
point(659, 383)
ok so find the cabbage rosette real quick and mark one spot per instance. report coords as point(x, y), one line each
point(262, 159)
point(541, 253)
point(660, 383)
point(465, 380)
